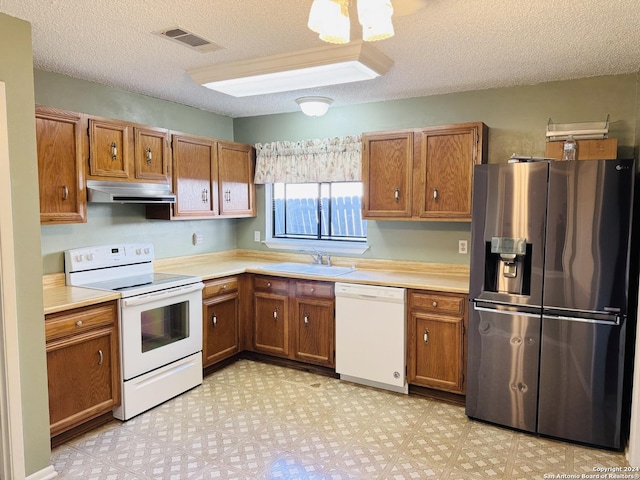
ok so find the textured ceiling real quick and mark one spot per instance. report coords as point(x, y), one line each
point(447, 46)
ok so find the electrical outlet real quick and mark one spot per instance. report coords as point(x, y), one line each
point(462, 247)
point(197, 238)
point(256, 236)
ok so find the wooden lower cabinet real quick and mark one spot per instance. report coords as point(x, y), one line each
point(294, 319)
point(83, 365)
point(313, 323)
point(220, 319)
point(436, 340)
point(271, 315)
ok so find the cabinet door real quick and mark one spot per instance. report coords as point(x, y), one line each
point(387, 166)
point(109, 149)
point(235, 178)
point(313, 331)
point(151, 156)
point(220, 328)
point(195, 161)
point(436, 357)
point(60, 166)
point(84, 378)
point(447, 157)
point(271, 323)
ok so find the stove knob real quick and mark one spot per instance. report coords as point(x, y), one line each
point(89, 256)
point(147, 250)
point(78, 258)
point(138, 251)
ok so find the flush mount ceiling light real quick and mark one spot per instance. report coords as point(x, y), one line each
point(314, 106)
point(330, 20)
point(315, 67)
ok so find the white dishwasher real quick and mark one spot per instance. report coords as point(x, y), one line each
point(371, 335)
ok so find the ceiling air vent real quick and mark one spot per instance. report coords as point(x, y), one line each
point(189, 39)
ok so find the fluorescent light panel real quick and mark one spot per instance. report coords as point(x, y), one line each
point(311, 68)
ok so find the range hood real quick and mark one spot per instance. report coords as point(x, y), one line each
point(129, 192)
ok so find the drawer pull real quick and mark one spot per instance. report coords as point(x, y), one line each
point(214, 320)
point(101, 357)
point(306, 319)
point(396, 194)
point(275, 313)
point(148, 155)
point(435, 194)
point(65, 192)
point(435, 304)
point(114, 151)
point(224, 287)
point(79, 323)
point(268, 284)
point(426, 336)
point(312, 290)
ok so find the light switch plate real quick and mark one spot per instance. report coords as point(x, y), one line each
point(197, 239)
point(256, 236)
point(462, 247)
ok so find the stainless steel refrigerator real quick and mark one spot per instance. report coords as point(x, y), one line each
point(550, 251)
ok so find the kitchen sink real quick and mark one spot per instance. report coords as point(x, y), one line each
point(309, 269)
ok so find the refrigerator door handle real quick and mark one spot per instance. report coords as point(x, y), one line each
point(615, 321)
point(505, 312)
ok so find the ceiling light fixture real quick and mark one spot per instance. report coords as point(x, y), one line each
point(312, 68)
point(314, 106)
point(330, 20)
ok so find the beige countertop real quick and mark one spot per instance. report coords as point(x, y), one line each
point(418, 275)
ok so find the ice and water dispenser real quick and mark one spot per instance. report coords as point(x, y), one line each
point(508, 266)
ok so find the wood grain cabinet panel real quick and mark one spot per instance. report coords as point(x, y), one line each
point(387, 166)
point(235, 177)
point(271, 323)
point(83, 366)
point(436, 350)
point(151, 158)
point(421, 174)
point(313, 327)
point(220, 327)
point(109, 149)
point(59, 138)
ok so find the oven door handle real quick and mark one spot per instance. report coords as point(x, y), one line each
point(162, 295)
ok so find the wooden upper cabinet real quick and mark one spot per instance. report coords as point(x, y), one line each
point(109, 149)
point(423, 174)
point(387, 166)
point(235, 179)
point(59, 136)
point(195, 166)
point(447, 157)
point(151, 154)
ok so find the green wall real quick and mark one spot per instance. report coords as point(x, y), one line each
point(16, 70)
point(517, 118)
point(127, 223)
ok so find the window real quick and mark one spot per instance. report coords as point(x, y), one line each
point(318, 211)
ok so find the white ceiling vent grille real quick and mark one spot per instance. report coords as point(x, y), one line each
point(188, 39)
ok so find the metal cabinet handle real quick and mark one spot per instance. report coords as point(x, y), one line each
point(205, 195)
point(275, 313)
point(224, 287)
point(148, 155)
point(268, 284)
point(306, 319)
point(435, 304)
point(101, 357)
point(214, 320)
point(79, 323)
point(227, 196)
point(435, 194)
point(396, 194)
point(114, 151)
point(426, 336)
point(65, 192)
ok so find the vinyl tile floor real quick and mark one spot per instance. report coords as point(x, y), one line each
point(254, 420)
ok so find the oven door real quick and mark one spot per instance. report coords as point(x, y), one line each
point(159, 328)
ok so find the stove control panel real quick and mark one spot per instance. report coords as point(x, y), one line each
point(103, 256)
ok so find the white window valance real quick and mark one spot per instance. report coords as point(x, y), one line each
point(336, 159)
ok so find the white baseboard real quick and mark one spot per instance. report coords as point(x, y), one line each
point(45, 474)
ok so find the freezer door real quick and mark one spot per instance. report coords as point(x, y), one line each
point(509, 202)
point(581, 379)
point(504, 349)
point(588, 235)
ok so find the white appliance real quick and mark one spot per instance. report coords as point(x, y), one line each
point(371, 335)
point(160, 321)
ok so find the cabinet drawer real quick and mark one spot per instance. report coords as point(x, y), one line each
point(314, 289)
point(271, 284)
point(80, 320)
point(437, 302)
point(216, 287)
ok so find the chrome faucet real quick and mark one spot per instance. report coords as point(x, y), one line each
point(317, 258)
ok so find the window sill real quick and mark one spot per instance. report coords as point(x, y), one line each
point(322, 246)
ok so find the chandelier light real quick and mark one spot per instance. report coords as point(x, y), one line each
point(330, 20)
point(314, 106)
